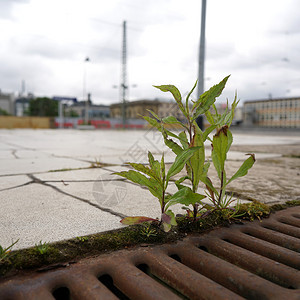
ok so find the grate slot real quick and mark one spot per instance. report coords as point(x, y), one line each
point(108, 281)
point(283, 228)
point(230, 276)
point(266, 249)
point(274, 237)
point(175, 257)
point(254, 263)
point(146, 269)
point(290, 221)
point(168, 267)
point(61, 293)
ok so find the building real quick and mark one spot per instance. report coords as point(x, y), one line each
point(22, 104)
point(134, 109)
point(94, 111)
point(7, 104)
point(280, 112)
point(170, 108)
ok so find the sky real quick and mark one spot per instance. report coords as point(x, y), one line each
point(45, 43)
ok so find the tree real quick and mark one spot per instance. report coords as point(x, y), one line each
point(44, 107)
point(3, 112)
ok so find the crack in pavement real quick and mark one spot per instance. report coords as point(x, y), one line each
point(17, 186)
point(14, 153)
point(104, 209)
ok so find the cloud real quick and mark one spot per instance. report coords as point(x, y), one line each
point(6, 7)
point(45, 43)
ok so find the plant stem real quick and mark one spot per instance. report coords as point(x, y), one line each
point(221, 189)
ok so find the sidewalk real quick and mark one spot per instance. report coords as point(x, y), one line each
point(49, 192)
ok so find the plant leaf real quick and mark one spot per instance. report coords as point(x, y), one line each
point(185, 196)
point(136, 220)
point(173, 146)
point(183, 140)
point(136, 177)
point(180, 161)
point(144, 169)
point(163, 169)
point(188, 96)
point(233, 107)
point(154, 164)
point(179, 181)
point(176, 94)
point(243, 170)
point(169, 217)
point(153, 122)
point(197, 160)
point(210, 117)
point(153, 114)
point(219, 150)
point(171, 120)
point(208, 131)
point(206, 100)
point(205, 179)
point(169, 142)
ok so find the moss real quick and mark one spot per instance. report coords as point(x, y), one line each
point(66, 170)
point(212, 220)
point(277, 207)
point(253, 210)
point(292, 156)
point(127, 237)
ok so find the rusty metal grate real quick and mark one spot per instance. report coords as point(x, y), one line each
point(258, 260)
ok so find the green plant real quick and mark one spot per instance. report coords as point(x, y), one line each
point(148, 231)
point(42, 248)
point(96, 164)
point(82, 238)
point(192, 136)
point(191, 140)
point(5, 252)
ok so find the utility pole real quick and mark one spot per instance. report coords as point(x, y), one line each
point(201, 59)
point(124, 85)
point(202, 50)
point(85, 96)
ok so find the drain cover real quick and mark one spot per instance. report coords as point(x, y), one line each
point(257, 260)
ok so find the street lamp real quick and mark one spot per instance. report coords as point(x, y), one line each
point(85, 97)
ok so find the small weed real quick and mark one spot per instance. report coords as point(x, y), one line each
point(96, 164)
point(42, 248)
point(5, 252)
point(82, 238)
point(148, 231)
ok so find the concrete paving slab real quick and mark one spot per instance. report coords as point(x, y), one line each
point(6, 154)
point(89, 174)
point(10, 182)
point(35, 212)
point(58, 205)
point(236, 155)
point(25, 166)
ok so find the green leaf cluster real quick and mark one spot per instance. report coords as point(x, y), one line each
point(156, 180)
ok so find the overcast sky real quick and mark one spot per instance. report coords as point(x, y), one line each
point(45, 43)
